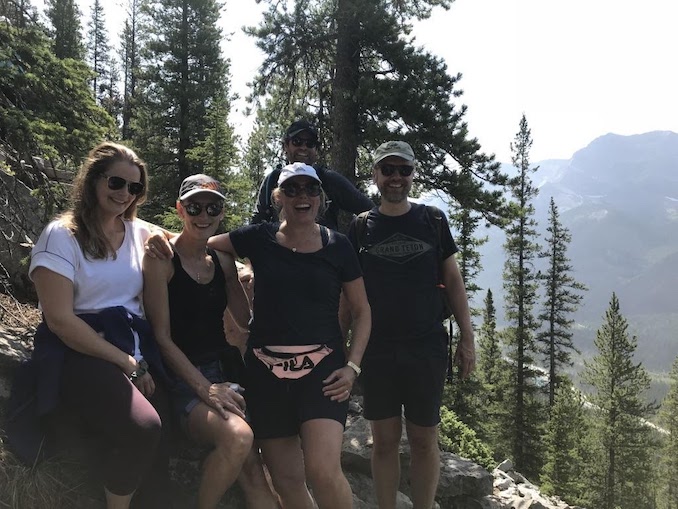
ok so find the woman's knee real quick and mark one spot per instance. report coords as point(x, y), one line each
point(233, 436)
point(323, 474)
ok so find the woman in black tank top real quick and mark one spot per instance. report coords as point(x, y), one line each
point(185, 300)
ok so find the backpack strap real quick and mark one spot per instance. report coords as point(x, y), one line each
point(361, 230)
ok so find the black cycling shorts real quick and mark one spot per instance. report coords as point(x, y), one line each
point(278, 407)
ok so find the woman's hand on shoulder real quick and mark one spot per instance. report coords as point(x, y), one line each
point(157, 244)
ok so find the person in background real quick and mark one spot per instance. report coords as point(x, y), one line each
point(185, 299)
point(406, 261)
point(94, 352)
point(301, 144)
point(299, 377)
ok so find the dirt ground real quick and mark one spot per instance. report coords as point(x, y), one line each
point(14, 314)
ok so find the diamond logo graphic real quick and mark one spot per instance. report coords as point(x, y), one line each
point(399, 248)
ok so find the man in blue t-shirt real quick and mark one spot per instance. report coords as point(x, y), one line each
point(300, 144)
point(407, 259)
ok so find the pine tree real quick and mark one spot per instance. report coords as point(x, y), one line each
point(520, 285)
point(98, 51)
point(669, 454)
point(218, 157)
point(374, 84)
point(130, 58)
point(183, 74)
point(64, 16)
point(465, 396)
point(563, 296)
point(621, 471)
point(19, 13)
point(491, 372)
point(564, 445)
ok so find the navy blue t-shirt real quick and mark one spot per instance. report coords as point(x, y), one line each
point(296, 295)
point(400, 261)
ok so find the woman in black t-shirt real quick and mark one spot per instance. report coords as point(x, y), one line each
point(299, 377)
point(185, 299)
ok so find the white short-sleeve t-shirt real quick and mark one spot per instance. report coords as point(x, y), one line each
point(97, 284)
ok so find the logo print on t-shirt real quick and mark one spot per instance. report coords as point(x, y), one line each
point(399, 248)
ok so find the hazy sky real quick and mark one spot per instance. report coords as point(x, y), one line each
point(578, 69)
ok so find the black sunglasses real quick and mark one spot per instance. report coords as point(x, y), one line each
point(115, 183)
point(298, 142)
point(389, 169)
point(292, 190)
point(195, 209)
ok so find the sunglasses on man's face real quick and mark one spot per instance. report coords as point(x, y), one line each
point(195, 209)
point(292, 190)
point(116, 183)
point(389, 169)
point(298, 142)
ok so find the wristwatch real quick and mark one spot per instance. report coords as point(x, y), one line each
point(142, 369)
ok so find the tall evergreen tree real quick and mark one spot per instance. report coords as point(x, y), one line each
point(64, 15)
point(217, 155)
point(622, 471)
point(563, 296)
point(362, 71)
point(491, 372)
point(520, 285)
point(98, 51)
point(669, 455)
point(564, 445)
point(130, 58)
point(466, 398)
point(183, 73)
point(19, 13)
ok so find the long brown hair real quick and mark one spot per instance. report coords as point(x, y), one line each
point(81, 217)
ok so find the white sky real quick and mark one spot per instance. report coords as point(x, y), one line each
point(578, 69)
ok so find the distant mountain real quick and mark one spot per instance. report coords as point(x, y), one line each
point(619, 198)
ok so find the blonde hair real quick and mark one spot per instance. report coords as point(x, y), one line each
point(275, 200)
point(79, 219)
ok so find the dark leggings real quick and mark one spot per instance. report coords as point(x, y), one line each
point(107, 402)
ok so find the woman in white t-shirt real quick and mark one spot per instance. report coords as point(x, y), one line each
point(87, 271)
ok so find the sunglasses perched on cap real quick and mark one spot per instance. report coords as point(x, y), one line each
point(389, 169)
point(195, 209)
point(116, 183)
point(298, 142)
point(291, 190)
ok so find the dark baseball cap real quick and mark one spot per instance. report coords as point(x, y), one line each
point(300, 126)
point(200, 183)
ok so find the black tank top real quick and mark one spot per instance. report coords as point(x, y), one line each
point(196, 312)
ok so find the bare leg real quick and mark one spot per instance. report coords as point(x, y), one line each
point(386, 460)
point(425, 464)
point(117, 501)
point(285, 462)
point(232, 440)
point(255, 485)
point(321, 442)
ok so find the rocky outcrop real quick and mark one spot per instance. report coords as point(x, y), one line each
point(21, 221)
point(463, 484)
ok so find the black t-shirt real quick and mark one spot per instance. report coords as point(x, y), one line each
point(296, 295)
point(400, 263)
point(197, 313)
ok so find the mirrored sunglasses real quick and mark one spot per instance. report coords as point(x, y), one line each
point(298, 142)
point(389, 169)
point(195, 209)
point(291, 190)
point(116, 183)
